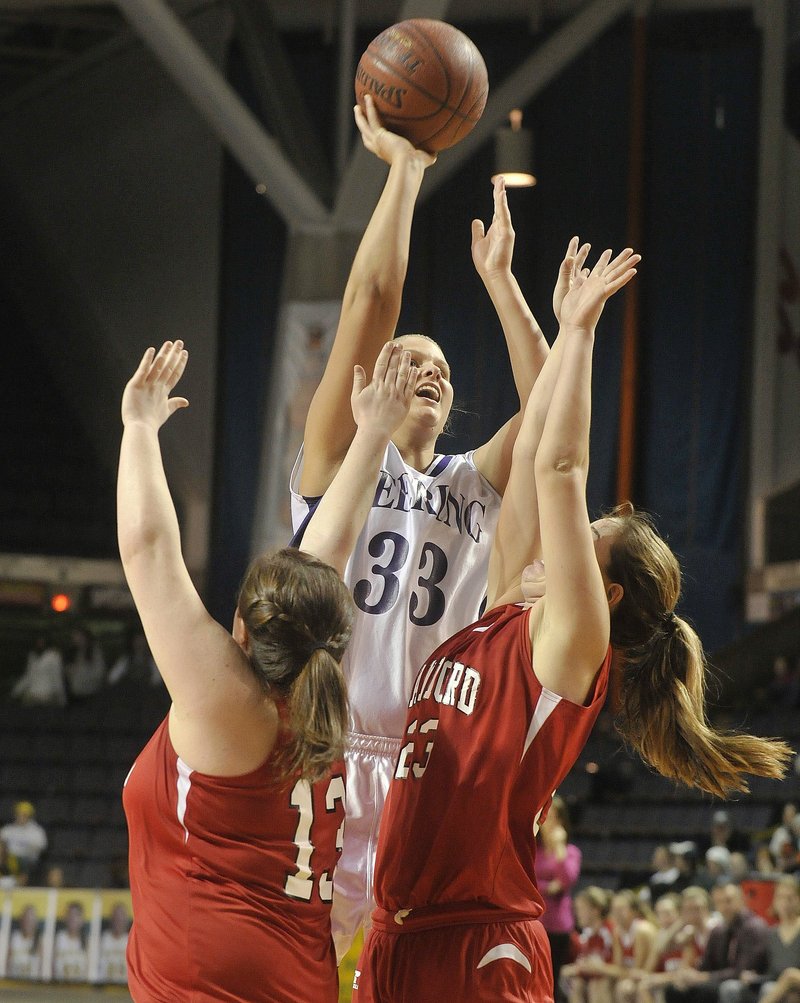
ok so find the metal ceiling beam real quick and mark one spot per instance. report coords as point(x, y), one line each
point(364, 176)
point(563, 46)
point(282, 104)
point(259, 154)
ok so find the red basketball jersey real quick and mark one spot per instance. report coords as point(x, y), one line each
point(231, 880)
point(596, 945)
point(485, 747)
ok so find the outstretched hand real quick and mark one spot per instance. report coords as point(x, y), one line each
point(388, 146)
point(572, 265)
point(383, 403)
point(588, 291)
point(493, 249)
point(147, 395)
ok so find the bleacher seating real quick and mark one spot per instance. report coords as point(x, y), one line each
point(621, 810)
point(71, 763)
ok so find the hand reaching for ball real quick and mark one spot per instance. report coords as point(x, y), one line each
point(388, 146)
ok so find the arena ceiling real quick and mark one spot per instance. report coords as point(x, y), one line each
point(38, 37)
point(43, 42)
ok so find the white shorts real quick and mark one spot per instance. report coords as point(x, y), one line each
point(370, 765)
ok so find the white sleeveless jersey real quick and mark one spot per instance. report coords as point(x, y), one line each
point(70, 960)
point(23, 959)
point(418, 575)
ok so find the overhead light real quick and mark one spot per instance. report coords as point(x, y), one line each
point(513, 153)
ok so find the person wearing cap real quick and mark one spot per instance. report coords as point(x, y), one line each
point(723, 834)
point(25, 841)
point(717, 867)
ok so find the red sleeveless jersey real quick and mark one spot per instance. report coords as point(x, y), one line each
point(595, 944)
point(485, 747)
point(231, 880)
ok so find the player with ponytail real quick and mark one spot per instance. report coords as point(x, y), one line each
point(236, 805)
point(500, 711)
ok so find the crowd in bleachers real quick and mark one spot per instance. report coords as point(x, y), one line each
point(690, 947)
point(57, 673)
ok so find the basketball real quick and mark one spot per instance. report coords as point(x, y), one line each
point(428, 81)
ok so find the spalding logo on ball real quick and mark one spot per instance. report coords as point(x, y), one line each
point(428, 81)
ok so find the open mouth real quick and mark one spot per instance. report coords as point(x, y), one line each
point(430, 392)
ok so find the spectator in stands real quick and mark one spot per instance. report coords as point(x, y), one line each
point(581, 980)
point(784, 688)
point(738, 867)
point(85, 669)
point(685, 947)
point(722, 833)
point(43, 680)
point(684, 853)
point(136, 664)
point(114, 944)
point(54, 877)
point(717, 867)
point(558, 867)
point(735, 945)
point(663, 949)
point(633, 937)
point(782, 975)
point(70, 951)
point(24, 946)
point(665, 872)
point(785, 842)
point(764, 863)
point(7, 878)
point(25, 842)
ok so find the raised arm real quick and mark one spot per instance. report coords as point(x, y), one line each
point(517, 539)
point(192, 651)
point(371, 303)
point(378, 409)
point(573, 628)
point(492, 253)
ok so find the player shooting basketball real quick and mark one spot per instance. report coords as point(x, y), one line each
point(500, 711)
point(419, 569)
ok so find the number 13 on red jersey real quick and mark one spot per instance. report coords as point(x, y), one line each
point(300, 885)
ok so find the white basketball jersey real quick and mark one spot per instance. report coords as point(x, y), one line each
point(418, 575)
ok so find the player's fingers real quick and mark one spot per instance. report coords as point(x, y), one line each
point(373, 117)
point(581, 255)
point(170, 362)
point(179, 365)
point(618, 283)
point(620, 258)
point(381, 363)
point(602, 262)
point(176, 403)
point(393, 364)
point(403, 381)
point(159, 362)
point(572, 248)
point(144, 366)
point(478, 231)
point(614, 270)
point(359, 380)
point(501, 209)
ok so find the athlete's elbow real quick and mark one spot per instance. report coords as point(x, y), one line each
point(560, 463)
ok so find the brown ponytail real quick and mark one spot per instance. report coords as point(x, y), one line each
point(298, 615)
point(661, 701)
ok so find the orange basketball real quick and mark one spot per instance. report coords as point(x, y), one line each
point(428, 81)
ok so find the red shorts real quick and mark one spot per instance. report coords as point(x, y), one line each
point(489, 962)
